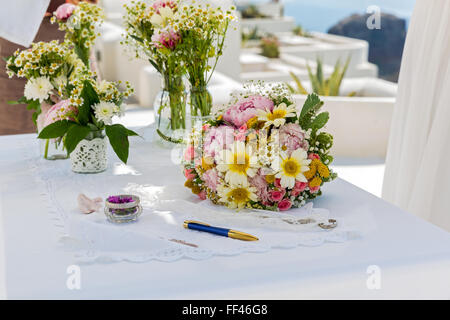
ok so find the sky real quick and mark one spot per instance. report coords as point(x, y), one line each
point(319, 15)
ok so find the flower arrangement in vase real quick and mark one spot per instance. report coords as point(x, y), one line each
point(79, 23)
point(50, 68)
point(151, 35)
point(177, 40)
point(261, 152)
point(85, 118)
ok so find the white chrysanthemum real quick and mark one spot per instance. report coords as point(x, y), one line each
point(236, 196)
point(162, 18)
point(104, 111)
point(38, 89)
point(290, 169)
point(278, 115)
point(238, 162)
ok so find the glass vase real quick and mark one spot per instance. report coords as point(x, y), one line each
point(170, 110)
point(200, 101)
point(53, 149)
point(90, 155)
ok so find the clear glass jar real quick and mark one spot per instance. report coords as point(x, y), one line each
point(53, 149)
point(90, 155)
point(123, 212)
point(200, 101)
point(170, 110)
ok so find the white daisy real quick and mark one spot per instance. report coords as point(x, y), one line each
point(278, 115)
point(104, 111)
point(237, 162)
point(38, 89)
point(290, 169)
point(236, 197)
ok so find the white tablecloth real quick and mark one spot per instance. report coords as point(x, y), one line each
point(412, 255)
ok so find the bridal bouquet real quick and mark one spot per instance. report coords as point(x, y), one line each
point(261, 152)
point(79, 23)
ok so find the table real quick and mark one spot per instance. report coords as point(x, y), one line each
point(412, 256)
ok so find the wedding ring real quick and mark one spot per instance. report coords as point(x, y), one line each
point(332, 223)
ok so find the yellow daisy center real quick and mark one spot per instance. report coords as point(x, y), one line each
point(291, 167)
point(238, 195)
point(276, 114)
point(241, 162)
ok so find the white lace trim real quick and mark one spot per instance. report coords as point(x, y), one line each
point(87, 249)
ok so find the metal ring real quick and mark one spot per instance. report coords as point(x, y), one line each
point(331, 225)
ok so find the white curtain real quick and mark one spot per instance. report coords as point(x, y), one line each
point(20, 19)
point(417, 176)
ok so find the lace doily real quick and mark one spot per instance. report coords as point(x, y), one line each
point(90, 156)
point(158, 234)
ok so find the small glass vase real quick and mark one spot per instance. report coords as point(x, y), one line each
point(53, 149)
point(90, 155)
point(170, 110)
point(200, 101)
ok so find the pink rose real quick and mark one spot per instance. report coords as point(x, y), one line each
point(166, 39)
point(277, 183)
point(60, 111)
point(313, 156)
point(293, 137)
point(239, 113)
point(314, 189)
point(284, 205)
point(202, 195)
point(162, 4)
point(300, 186)
point(211, 179)
point(189, 153)
point(188, 173)
point(40, 121)
point(277, 195)
point(64, 11)
point(260, 183)
point(217, 139)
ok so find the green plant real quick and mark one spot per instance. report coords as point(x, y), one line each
point(320, 85)
point(300, 31)
point(252, 11)
point(270, 47)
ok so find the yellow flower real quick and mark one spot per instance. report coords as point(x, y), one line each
point(252, 122)
point(207, 163)
point(277, 116)
point(196, 189)
point(312, 169)
point(316, 182)
point(189, 184)
point(238, 162)
point(270, 178)
point(292, 168)
point(323, 170)
point(236, 196)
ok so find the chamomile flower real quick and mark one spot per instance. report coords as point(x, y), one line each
point(236, 197)
point(238, 163)
point(278, 115)
point(38, 89)
point(290, 169)
point(104, 111)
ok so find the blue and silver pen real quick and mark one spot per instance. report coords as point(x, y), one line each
point(200, 226)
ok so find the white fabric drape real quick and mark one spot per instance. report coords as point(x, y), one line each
point(20, 20)
point(417, 176)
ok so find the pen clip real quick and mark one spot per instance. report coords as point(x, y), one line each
point(186, 222)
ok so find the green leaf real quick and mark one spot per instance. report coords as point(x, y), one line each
point(131, 133)
point(83, 54)
point(74, 135)
point(90, 97)
point(320, 121)
point(20, 101)
point(155, 65)
point(56, 129)
point(300, 88)
point(34, 105)
point(118, 137)
point(311, 101)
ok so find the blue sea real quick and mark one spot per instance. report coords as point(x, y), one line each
point(320, 15)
